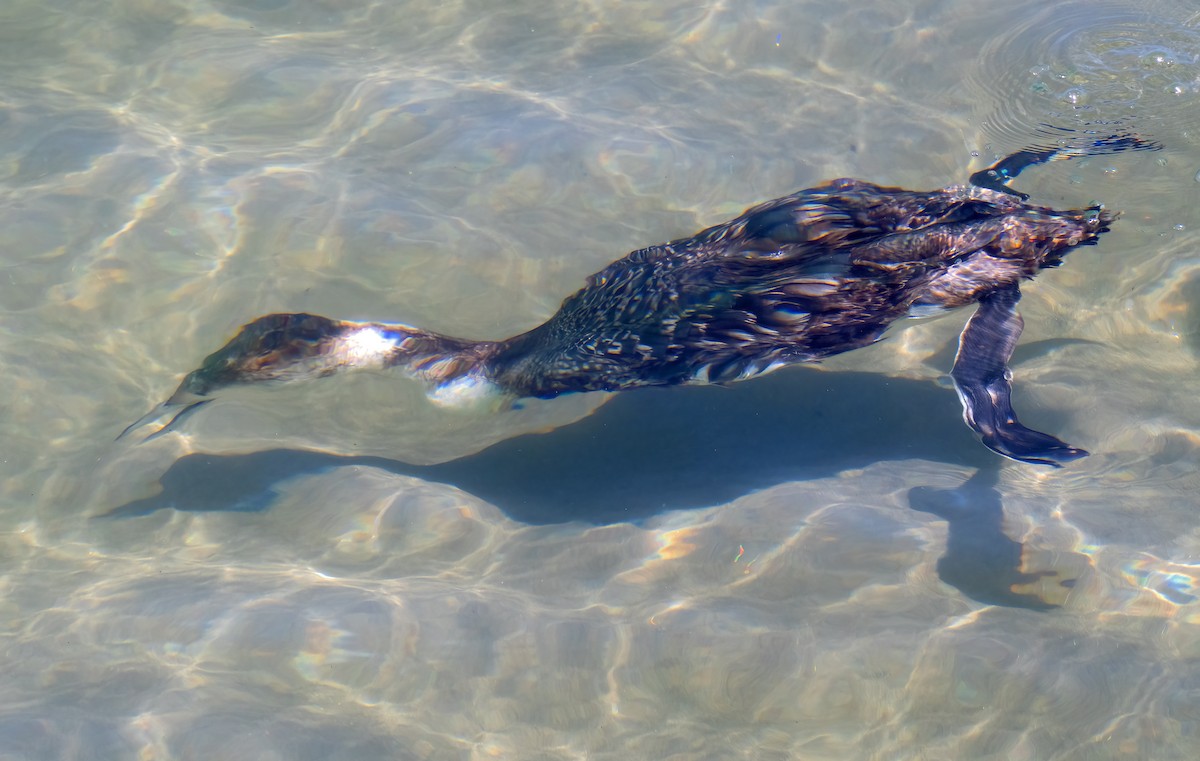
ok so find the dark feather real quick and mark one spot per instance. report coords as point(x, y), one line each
point(803, 277)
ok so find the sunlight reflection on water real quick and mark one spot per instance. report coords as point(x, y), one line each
point(823, 564)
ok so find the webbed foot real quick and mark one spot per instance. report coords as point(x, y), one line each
point(983, 380)
point(1068, 144)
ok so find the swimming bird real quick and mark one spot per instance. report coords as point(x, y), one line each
point(803, 277)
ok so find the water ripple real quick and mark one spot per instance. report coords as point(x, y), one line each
point(1089, 66)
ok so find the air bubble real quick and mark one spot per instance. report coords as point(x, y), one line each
point(1075, 96)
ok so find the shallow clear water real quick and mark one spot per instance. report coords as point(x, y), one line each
point(818, 564)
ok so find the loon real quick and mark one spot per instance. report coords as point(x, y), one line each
point(803, 277)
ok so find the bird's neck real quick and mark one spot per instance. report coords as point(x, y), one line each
point(455, 369)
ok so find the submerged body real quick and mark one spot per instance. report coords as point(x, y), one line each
point(797, 279)
point(813, 274)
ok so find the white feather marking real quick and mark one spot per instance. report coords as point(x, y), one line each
point(469, 391)
point(366, 347)
point(921, 311)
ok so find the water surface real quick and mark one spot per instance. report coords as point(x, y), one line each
point(822, 564)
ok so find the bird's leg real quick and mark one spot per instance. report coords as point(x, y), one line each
point(984, 383)
point(1069, 145)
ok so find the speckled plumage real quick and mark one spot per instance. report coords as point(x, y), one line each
point(800, 278)
point(803, 277)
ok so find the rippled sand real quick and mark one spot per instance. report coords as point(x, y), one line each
point(820, 564)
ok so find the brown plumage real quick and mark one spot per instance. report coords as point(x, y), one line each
point(800, 278)
point(813, 274)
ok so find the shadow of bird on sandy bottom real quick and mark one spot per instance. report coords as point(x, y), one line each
point(652, 451)
point(980, 560)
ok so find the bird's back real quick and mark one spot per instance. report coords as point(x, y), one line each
point(806, 276)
